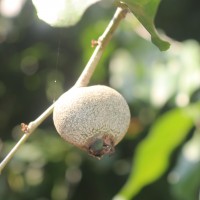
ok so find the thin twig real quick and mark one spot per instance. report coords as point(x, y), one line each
point(82, 81)
point(30, 129)
point(102, 43)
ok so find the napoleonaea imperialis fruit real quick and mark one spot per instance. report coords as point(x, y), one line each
point(93, 118)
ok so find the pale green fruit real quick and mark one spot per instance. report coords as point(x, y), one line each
point(93, 118)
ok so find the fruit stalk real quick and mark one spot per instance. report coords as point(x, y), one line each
point(102, 43)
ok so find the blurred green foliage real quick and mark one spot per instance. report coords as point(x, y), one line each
point(160, 156)
point(64, 13)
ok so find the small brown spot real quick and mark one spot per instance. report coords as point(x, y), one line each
point(94, 43)
point(24, 127)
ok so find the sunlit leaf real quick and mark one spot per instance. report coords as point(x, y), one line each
point(145, 12)
point(61, 13)
point(153, 153)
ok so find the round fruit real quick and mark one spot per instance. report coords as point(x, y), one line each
point(93, 118)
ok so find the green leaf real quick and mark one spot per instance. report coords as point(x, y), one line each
point(187, 170)
point(153, 153)
point(145, 11)
point(61, 13)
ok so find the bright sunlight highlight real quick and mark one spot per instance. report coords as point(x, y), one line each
point(49, 10)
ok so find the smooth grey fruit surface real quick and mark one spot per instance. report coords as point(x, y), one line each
point(93, 118)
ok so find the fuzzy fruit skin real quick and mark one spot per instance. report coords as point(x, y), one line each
point(93, 118)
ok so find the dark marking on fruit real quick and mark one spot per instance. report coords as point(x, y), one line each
point(101, 146)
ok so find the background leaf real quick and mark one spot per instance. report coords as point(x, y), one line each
point(61, 13)
point(187, 170)
point(145, 12)
point(64, 13)
point(152, 154)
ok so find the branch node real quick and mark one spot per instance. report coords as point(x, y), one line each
point(94, 43)
point(24, 128)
